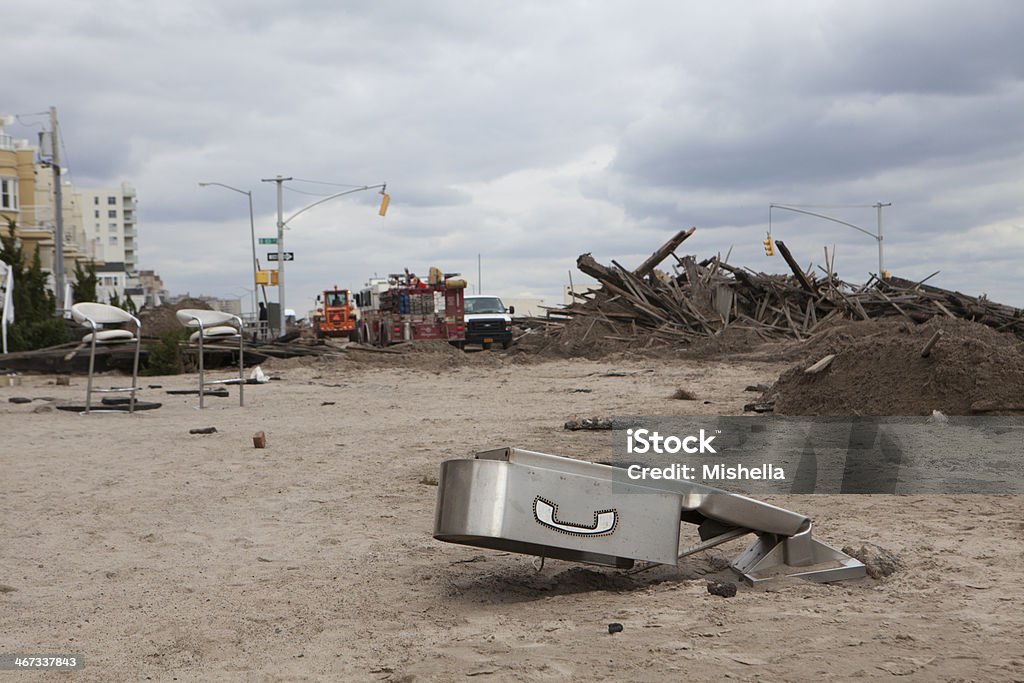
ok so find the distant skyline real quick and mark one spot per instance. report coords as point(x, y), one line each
point(532, 132)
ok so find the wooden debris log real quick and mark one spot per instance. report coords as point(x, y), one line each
point(794, 266)
point(927, 350)
point(662, 253)
point(821, 364)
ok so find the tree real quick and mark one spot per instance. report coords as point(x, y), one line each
point(84, 288)
point(34, 323)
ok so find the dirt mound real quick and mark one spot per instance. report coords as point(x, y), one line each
point(159, 320)
point(427, 347)
point(584, 337)
point(431, 356)
point(878, 370)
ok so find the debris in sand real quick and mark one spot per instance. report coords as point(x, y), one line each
point(259, 440)
point(589, 423)
point(725, 589)
point(764, 407)
point(614, 627)
point(820, 365)
point(203, 430)
point(878, 561)
point(684, 395)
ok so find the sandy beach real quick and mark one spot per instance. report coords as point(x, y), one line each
point(161, 555)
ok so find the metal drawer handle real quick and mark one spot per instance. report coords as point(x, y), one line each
point(546, 513)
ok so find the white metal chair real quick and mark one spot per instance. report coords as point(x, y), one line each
point(95, 316)
point(215, 326)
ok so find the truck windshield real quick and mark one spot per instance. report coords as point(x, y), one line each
point(335, 298)
point(487, 304)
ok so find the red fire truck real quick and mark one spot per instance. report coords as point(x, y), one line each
point(335, 315)
point(404, 308)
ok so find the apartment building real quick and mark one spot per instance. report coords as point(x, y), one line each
point(108, 223)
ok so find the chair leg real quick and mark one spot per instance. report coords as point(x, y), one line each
point(241, 368)
point(202, 379)
point(92, 363)
point(135, 370)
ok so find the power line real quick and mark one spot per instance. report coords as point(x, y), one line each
point(321, 182)
point(67, 157)
point(830, 206)
point(311, 194)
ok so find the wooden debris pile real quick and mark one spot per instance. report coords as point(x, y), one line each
point(703, 298)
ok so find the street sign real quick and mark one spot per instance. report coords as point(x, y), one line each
point(268, 240)
point(288, 256)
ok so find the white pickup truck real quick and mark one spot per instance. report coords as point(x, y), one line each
point(488, 321)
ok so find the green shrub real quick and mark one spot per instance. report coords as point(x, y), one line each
point(165, 355)
point(37, 334)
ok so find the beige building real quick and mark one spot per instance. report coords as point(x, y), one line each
point(99, 224)
point(18, 203)
point(153, 291)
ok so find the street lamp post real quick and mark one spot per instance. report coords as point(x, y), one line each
point(252, 234)
point(874, 235)
point(282, 222)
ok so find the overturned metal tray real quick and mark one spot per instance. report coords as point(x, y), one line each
point(550, 506)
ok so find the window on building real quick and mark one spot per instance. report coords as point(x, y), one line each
point(112, 213)
point(113, 239)
point(112, 200)
point(97, 212)
point(112, 227)
point(95, 200)
point(9, 193)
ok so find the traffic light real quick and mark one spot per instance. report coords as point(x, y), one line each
point(769, 248)
point(385, 200)
point(266, 278)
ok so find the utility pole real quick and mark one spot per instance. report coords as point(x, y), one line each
point(881, 265)
point(282, 222)
point(280, 250)
point(58, 198)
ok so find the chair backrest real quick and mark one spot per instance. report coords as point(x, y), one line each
point(100, 314)
point(196, 317)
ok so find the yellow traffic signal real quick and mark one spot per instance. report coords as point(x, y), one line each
point(385, 199)
point(769, 248)
point(266, 278)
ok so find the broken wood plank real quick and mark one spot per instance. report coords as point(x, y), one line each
point(662, 253)
point(794, 266)
point(820, 365)
point(927, 350)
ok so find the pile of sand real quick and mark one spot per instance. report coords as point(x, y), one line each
point(159, 320)
point(878, 370)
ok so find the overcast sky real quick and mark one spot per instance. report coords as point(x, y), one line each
point(531, 132)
